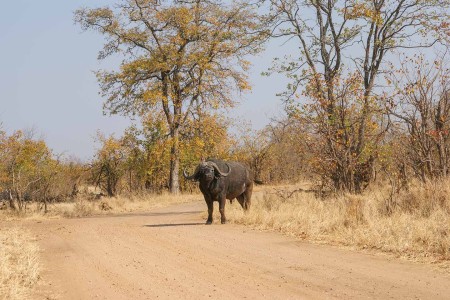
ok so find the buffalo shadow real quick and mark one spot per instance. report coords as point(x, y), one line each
point(173, 225)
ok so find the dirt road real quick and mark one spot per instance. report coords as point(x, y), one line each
point(170, 254)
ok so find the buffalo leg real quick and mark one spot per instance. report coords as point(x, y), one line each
point(210, 211)
point(248, 197)
point(241, 199)
point(245, 198)
point(222, 202)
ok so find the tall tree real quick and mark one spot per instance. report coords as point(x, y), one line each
point(343, 45)
point(179, 58)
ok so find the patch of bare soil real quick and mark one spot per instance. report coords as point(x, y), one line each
point(170, 254)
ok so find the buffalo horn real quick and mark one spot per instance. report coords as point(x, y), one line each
point(190, 177)
point(218, 170)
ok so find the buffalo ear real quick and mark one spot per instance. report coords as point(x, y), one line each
point(196, 178)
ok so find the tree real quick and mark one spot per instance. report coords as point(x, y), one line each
point(29, 171)
point(109, 165)
point(24, 164)
point(181, 58)
point(289, 157)
point(422, 104)
point(343, 46)
point(201, 138)
point(254, 148)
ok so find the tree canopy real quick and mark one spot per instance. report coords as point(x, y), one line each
point(179, 58)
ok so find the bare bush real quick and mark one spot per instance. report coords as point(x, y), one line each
point(422, 106)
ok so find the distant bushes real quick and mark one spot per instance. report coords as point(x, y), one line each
point(29, 171)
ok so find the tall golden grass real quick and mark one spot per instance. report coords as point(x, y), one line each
point(19, 263)
point(414, 223)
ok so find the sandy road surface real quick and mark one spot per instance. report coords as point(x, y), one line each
point(170, 254)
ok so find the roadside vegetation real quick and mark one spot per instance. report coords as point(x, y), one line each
point(19, 264)
point(85, 205)
point(413, 223)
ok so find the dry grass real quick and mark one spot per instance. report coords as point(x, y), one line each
point(19, 263)
point(413, 224)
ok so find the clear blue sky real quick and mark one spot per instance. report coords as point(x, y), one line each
point(47, 83)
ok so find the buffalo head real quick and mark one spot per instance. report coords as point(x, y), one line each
point(206, 171)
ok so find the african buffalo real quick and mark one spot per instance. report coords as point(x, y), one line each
point(220, 180)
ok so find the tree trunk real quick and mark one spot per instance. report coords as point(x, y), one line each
point(130, 184)
point(11, 201)
point(174, 184)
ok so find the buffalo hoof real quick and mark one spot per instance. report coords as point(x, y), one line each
point(208, 222)
point(223, 222)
